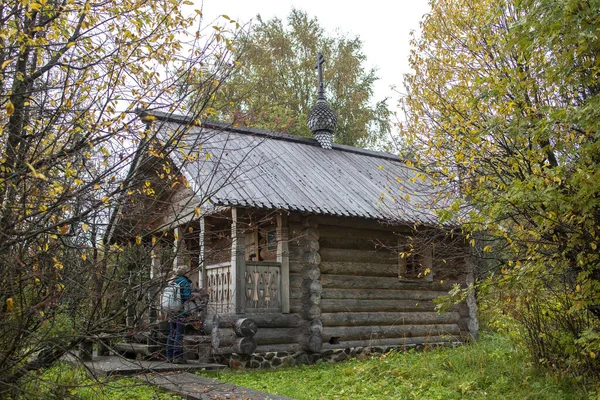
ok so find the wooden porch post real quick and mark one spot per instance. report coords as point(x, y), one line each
point(238, 259)
point(176, 238)
point(155, 254)
point(283, 258)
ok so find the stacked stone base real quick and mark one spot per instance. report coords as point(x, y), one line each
point(289, 359)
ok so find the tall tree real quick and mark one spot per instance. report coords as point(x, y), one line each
point(70, 74)
point(275, 83)
point(504, 106)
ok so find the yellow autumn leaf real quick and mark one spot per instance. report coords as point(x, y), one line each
point(35, 173)
point(10, 304)
point(83, 257)
point(10, 109)
point(197, 211)
point(85, 227)
point(138, 240)
point(63, 229)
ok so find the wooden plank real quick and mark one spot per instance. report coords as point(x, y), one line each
point(390, 331)
point(355, 305)
point(356, 268)
point(385, 294)
point(381, 256)
point(284, 259)
point(388, 318)
point(372, 282)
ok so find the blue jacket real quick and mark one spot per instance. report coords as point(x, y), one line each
point(185, 287)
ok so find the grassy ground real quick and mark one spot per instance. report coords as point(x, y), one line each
point(65, 381)
point(490, 368)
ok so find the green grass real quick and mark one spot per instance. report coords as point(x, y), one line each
point(491, 368)
point(65, 381)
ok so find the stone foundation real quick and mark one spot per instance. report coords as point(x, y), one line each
point(287, 359)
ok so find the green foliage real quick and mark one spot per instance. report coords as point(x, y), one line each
point(503, 108)
point(275, 84)
point(65, 381)
point(490, 368)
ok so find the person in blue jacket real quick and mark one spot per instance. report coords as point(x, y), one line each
point(177, 318)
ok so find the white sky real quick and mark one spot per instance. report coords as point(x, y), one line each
point(382, 25)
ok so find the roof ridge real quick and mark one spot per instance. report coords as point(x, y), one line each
point(187, 119)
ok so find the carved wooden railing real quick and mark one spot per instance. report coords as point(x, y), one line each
point(262, 286)
point(221, 288)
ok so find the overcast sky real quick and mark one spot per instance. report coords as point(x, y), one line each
point(382, 25)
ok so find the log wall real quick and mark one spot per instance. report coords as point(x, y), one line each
point(345, 292)
point(363, 302)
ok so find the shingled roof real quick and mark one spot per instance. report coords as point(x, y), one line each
point(245, 167)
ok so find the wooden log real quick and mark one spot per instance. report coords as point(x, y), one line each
point(312, 343)
point(311, 273)
point(295, 307)
point(263, 320)
point(311, 312)
point(314, 327)
point(314, 299)
point(362, 269)
point(296, 266)
point(354, 305)
point(227, 339)
point(311, 259)
point(312, 287)
point(295, 280)
point(309, 233)
point(396, 342)
point(374, 283)
point(288, 347)
point(242, 345)
point(335, 226)
point(388, 318)
point(360, 256)
point(345, 333)
point(277, 335)
point(214, 332)
point(389, 294)
point(245, 327)
point(389, 243)
point(197, 339)
point(306, 245)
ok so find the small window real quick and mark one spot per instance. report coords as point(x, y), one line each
point(272, 240)
point(415, 263)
